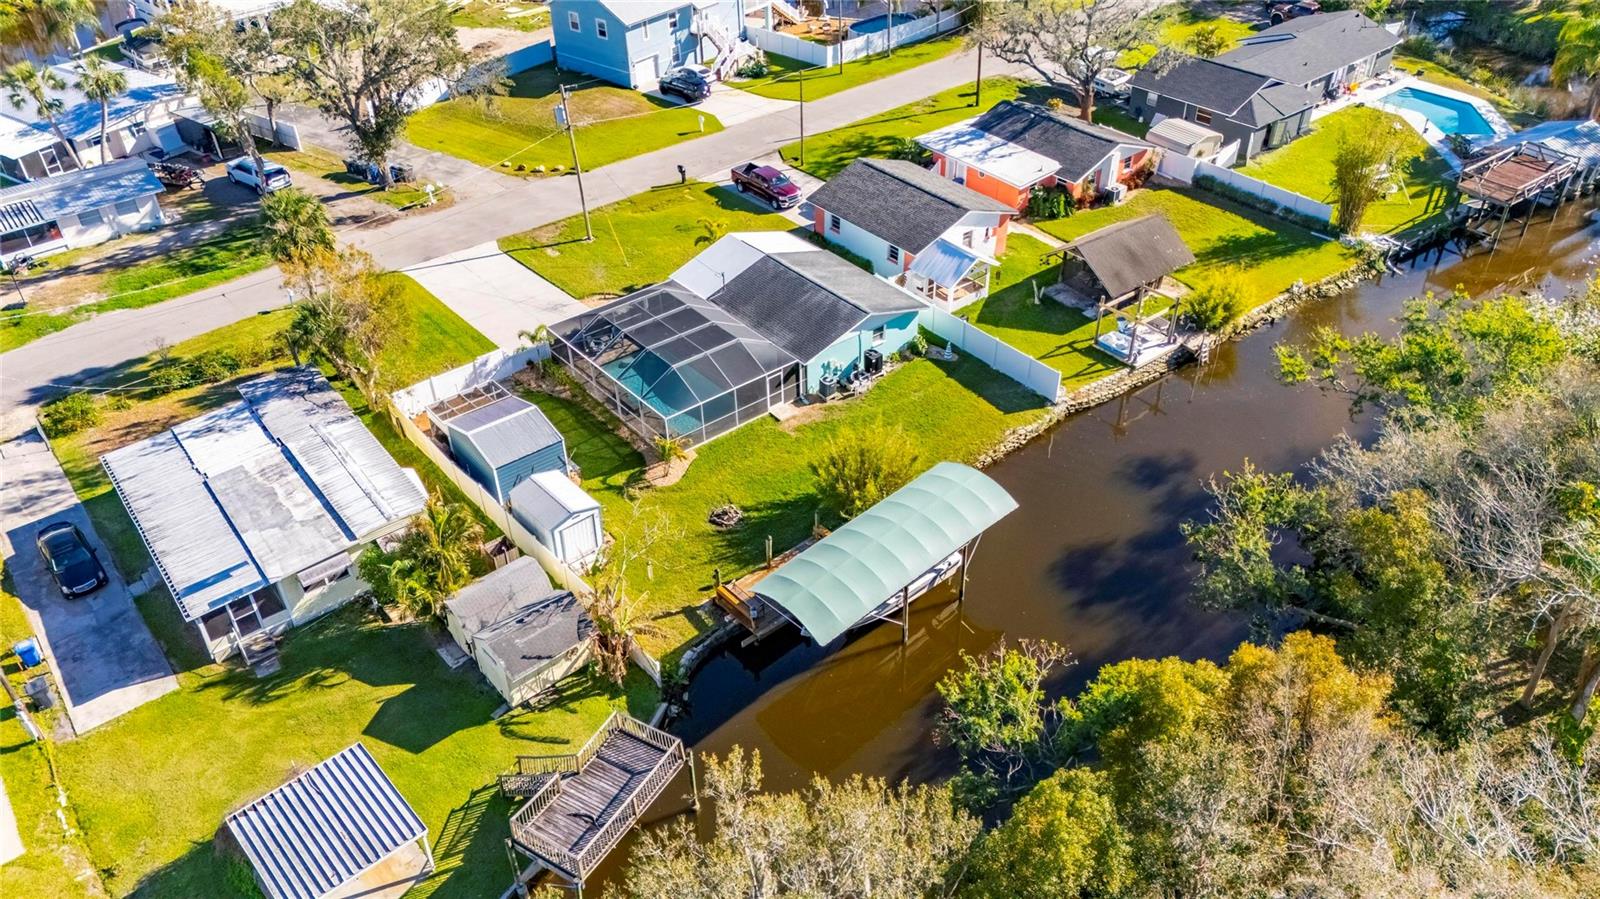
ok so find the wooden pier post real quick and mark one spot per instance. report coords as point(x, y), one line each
point(694, 782)
point(905, 615)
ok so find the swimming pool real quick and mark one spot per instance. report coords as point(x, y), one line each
point(879, 23)
point(1448, 114)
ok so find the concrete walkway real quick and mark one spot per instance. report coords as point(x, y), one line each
point(102, 657)
point(495, 294)
point(489, 205)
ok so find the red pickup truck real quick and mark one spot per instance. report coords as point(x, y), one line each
point(767, 183)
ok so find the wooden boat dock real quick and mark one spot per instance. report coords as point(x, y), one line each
point(580, 805)
point(738, 598)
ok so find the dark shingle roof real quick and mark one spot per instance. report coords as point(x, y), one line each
point(537, 634)
point(1276, 102)
point(1307, 48)
point(1203, 82)
point(496, 596)
point(899, 201)
point(1128, 254)
point(859, 288)
point(798, 316)
point(1075, 144)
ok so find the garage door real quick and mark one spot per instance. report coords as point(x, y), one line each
point(646, 73)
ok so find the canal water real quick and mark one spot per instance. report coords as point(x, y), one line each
point(1093, 558)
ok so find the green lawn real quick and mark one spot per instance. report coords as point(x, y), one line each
point(500, 14)
point(151, 789)
point(637, 241)
point(951, 411)
point(1305, 166)
point(173, 274)
point(784, 80)
point(428, 338)
point(1272, 253)
point(320, 163)
point(1056, 335)
point(1178, 23)
point(520, 130)
point(879, 135)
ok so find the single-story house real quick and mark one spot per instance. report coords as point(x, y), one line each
point(337, 829)
point(1118, 268)
point(248, 12)
point(754, 321)
point(255, 512)
point(525, 634)
point(927, 232)
point(1184, 138)
point(1015, 147)
point(139, 120)
point(499, 437)
point(632, 43)
point(1261, 92)
point(78, 209)
point(560, 515)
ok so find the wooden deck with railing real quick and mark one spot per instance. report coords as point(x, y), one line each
point(581, 804)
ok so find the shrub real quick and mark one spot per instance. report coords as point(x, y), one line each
point(756, 68)
point(169, 376)
point(1419, 46)
point(213, 366)
point(860, 466)
point(910, 151)
point(1046, 203)
point(671, 449)
point(919, 344)
point(70, 414)
point(1217, 301)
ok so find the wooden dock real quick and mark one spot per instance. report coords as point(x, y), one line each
point(580, 805)
point(738, 598)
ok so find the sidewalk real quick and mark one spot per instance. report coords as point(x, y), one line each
point(489, 205)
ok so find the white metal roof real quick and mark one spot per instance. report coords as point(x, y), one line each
point(550, 499)
point(711, 269)
point(999, 158)
point(325, 827)
point(944, 263)
point(1180, 134)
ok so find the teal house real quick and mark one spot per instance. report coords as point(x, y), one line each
point(632, 43)
point(499, 438)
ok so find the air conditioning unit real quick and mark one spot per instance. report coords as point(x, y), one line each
point(1117, 191)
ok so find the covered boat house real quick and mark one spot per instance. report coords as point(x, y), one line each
point(340, 829)
point(1515, 180)
point(1119, 269)
point(874, 565)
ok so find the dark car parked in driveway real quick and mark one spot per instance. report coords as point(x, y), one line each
point(685, 83)
point(70, 560)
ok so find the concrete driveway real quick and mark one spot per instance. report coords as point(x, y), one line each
point(495, 294)
point(732, 106)
point(103, 657)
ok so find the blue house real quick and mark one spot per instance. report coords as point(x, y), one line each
point(633, 43)
point(500, 439)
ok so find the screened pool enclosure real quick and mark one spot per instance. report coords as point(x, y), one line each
point(672, 364)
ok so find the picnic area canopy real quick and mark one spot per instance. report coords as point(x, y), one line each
point(835, 583)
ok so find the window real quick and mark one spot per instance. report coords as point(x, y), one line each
point(646, 29)
point(1202, 116)
point(672, 21)
point(833, 223)
point(966, 238)
point(572, 21)
point(879, 335)
point(90, 219)
point(600, 28)
point(894, 254)
point(128, 207)
point(135, 129)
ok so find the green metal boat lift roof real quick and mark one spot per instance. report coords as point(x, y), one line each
point(839, 580)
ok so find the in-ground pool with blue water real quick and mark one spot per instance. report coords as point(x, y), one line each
point(1448, 114)
point(879, 23)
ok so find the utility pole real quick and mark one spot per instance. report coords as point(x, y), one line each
point(803, 118)
point(577, 166)
point(977, 87)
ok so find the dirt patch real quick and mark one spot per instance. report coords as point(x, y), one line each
point(804, 415)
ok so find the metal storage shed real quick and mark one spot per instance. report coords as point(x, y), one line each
point(1184, 137)
point(317, 835)
point(499, 438)
point(561, 516)
point(877, 562)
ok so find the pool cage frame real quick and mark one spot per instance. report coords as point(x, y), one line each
point(594, 334)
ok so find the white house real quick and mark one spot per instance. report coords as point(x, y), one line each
point(78, 209)
point(255, 512)
point(933, 236)
point(141, 119)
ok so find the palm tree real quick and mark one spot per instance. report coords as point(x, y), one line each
point(619, 622)
point(1578, 50)
point(25, 82)
point(294, 225)
point(61, 19)
point(102, 84)
point(441, 545)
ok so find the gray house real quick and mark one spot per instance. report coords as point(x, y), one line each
point(1261, 93)
point(499, 438)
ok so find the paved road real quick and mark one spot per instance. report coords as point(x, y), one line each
point(104, 659)
point(491, 205)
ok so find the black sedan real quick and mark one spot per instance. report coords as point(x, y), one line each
point(686, 83)
point(71, 561)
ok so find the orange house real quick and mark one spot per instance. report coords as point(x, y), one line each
point(1014, 147)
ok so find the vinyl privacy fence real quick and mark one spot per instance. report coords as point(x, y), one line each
point(854, 48)
point(995, 353)
point(1185, 169)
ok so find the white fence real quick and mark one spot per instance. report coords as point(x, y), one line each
point(285, 135)
point(1184, 169)
point(495, 365)
point(856, 47)
point(1181, 168)
point(995, 353)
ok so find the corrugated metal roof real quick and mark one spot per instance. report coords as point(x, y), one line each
point(196, 549)
point(1012, 163)
point(355, 475)
point(19, 215)
point(506, 430)
point(86, 189)
point(944, 263)
point(549, 499)
point(842, 578)
point(325, 827)
point(1180, 134)
point(1578, 138)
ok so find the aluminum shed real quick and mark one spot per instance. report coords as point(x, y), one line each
point(499, 438)
point(316, 835)
point(872, 564)
point(561, 515)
